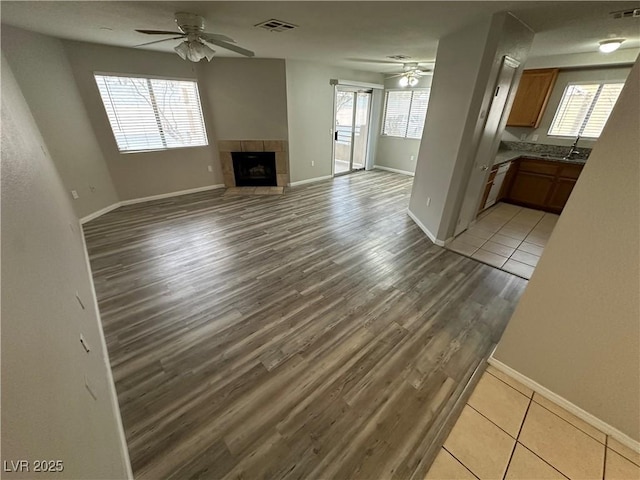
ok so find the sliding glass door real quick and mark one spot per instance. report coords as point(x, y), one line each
point(351, 134)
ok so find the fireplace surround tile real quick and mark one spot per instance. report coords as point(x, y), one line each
point(280, 147)
point(253, 146)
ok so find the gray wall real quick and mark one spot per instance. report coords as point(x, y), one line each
point(395, 152)
point(44, 75)
point(247, 98)
point(513, 134)
point(47, 413)
point(137, 175)
point(576, 330)
point(467, 65)
point(310, 115)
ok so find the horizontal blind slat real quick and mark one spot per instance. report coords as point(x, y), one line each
point(152, 114)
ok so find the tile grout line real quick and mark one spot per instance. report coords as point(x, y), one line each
point(542, 459)
point(604, 460)
point(458, 460)
point(510, 386)
point(574, 426)
point(524, 418)
point(492, 422)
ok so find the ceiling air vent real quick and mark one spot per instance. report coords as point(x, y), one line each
point(399, 57)
point(274, 25)
point(634, 12)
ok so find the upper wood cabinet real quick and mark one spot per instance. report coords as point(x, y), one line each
point(532, 97)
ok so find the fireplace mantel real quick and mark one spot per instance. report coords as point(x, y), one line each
point(279, 147)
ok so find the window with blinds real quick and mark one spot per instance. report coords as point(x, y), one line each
point(585, 109)
point(405, 112)
point(151, 113)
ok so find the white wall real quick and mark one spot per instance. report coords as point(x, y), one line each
point(576, 330)
point(513, 134)
point(310, 115)
point(467, 65)
point(44, 75)
point(395, 152)
point(47, 413)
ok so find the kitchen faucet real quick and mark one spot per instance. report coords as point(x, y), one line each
point(574, 150)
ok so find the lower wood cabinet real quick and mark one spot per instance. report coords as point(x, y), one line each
point(541, 184)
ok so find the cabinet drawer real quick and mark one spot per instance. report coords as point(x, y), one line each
point(570, 171)
point(538, 166)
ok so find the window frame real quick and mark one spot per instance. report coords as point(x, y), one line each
point(600, 83)
point(151, 77)
point(384, 111)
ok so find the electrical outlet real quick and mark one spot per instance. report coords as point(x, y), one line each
point(523, 136)
point(534, 138)
point(313, 164)
point(210, 168)
point(74, 194)
point(428, 201)
point(92, 188)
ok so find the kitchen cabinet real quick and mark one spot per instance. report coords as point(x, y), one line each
point(532, 96)
point(542, 184)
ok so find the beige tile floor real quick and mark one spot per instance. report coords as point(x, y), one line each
point(508, 432)
point(508, 237)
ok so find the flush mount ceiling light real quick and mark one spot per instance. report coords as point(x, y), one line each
point(194, 51)
point(608, 46)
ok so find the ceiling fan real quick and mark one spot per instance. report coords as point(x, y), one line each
point(194, 47)
point(411, 73)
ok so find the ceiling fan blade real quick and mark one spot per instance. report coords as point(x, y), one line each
point(396, 75)
point(158, 32)
point(158, 41)
point(216, 36)
point(229, 46)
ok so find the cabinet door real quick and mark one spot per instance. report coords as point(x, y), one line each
point(530, 189)
point(532, 97)
point(561, 191)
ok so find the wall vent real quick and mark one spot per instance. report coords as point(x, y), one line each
point(634, 13)
point(274, 25)
point(399, 57)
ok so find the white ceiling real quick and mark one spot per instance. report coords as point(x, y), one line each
point(356, 34)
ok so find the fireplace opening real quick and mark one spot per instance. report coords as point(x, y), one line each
point(254, 169)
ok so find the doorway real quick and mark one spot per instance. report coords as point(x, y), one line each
point(352, 122)
point(488, 146)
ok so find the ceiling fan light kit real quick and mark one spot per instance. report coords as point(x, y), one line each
point(195, 45)
point(194, 51)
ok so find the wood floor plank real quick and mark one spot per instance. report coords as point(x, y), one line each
point(316, 334)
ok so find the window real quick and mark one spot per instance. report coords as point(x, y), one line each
point(152, 114)
point(585, 109)
point(404, 113)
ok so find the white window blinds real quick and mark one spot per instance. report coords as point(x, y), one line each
point(152, 114)
point(405, 112)
point(585, 109)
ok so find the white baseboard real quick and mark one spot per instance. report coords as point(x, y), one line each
point(431, 236)
point(99, 213)
point(395, 170)
point(567, 405)
point(171, 194)
point(310, 180)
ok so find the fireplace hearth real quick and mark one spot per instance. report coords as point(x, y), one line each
point(254, 169)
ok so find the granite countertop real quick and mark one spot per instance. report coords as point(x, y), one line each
point(508, 155)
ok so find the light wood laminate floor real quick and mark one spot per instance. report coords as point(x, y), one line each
point(318, 334)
